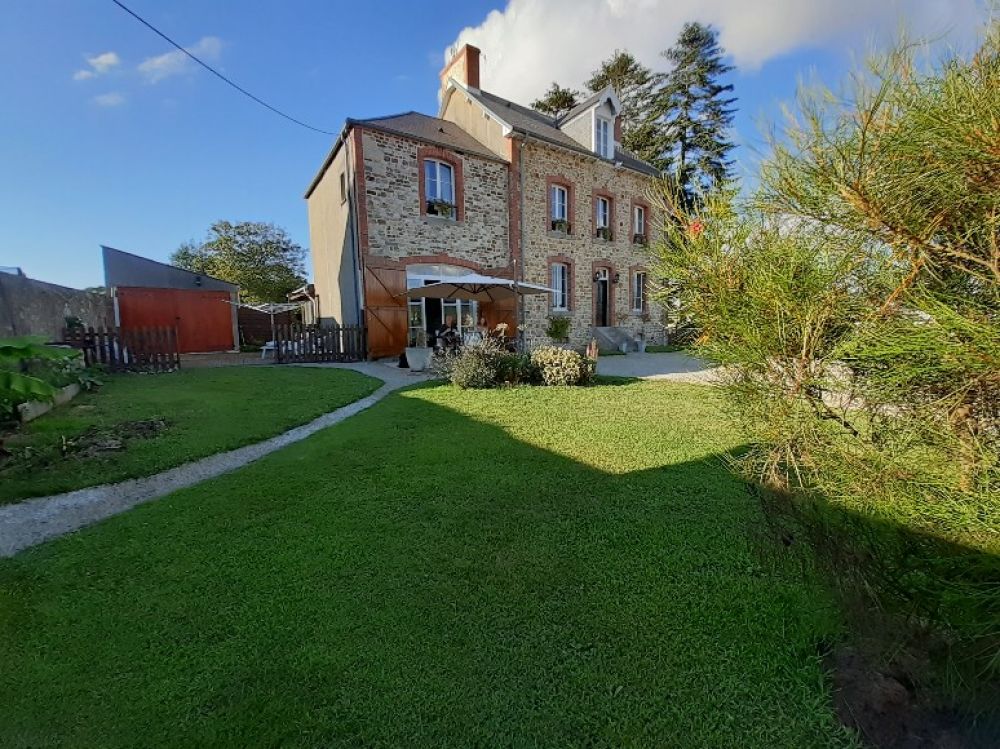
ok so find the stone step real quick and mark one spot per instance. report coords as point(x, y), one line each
point(611, 339)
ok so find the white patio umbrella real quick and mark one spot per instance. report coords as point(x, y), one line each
point(481, 288)
point(478, 288)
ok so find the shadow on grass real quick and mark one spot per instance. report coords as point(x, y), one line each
point(922, 668)
point(531, 566)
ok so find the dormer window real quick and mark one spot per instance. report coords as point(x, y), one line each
point(439, 188)
point(603, 144)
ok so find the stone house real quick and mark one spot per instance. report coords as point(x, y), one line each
point(488, 186)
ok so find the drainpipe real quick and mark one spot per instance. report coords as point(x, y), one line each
point(359, 282)
point(519, 268)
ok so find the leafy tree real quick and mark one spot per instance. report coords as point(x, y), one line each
point(635, 85)
point(260, 257)
point(557, 101)
point(693, 113)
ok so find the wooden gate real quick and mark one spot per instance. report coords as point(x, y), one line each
point(203, 319)
point(385, 311)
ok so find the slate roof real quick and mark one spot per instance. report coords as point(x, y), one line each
point(429, 129)
point(583, 106)
point(531, 122)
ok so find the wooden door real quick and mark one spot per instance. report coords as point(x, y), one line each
point(203, 319)
point(385, 311)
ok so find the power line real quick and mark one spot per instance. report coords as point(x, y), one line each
point(215, 72)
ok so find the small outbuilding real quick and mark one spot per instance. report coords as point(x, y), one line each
point(148, 294)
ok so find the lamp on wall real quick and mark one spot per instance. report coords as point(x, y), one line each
point(614, 279)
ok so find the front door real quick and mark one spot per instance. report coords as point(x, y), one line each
point(601, 302)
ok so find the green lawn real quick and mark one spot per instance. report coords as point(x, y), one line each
point(154, 422)
point(524, 567)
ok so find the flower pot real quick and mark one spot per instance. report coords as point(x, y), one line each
point(419, 357)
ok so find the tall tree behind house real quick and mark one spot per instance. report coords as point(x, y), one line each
point(694, 113)
point(557, 101)
point(636, 87)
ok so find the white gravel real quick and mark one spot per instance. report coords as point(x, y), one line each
point(673, 367)
point(36, 520)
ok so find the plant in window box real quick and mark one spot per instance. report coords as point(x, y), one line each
point(558, 329)
point(604, 232)
point(639, 239)
point(560, 225)
point(418, 356)
point(440, 208)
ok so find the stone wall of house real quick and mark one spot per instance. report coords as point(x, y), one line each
point(398, 230)
point(581, 248)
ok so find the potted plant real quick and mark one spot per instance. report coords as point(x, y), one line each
point(440, 208)
point(639, 239)
point(558, 329)
point(604, 232)
point(560, 225)
point(418, 356)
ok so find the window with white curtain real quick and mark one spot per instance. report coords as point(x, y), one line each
point(640, 221)
point(560, 199)
point(439, 187)
point(603, 213)
point(560, 282)
point(639, 291)
point(603, 145)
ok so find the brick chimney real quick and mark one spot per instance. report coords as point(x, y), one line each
point(463, 67)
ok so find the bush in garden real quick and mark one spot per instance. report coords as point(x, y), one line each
point(559, 366)
point(517, 369)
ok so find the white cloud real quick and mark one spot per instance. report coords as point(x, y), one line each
point(534, 42)
point(155, 69)
point(104, 62)
point(99, 65)
point(112, 99)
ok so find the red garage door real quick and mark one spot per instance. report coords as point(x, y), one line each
point(204, 319)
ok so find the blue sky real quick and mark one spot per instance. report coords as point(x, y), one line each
point(103, 141)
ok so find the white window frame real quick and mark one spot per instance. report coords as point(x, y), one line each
point(607, 213)
point(639, 291)
point(560, 299)
point(452, 307)
point(439, 167)
point(604, 137)
point(639, 226)
point(553, 209)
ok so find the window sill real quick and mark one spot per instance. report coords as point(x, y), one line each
point(601, 240)
point(560, 312)
point(440, 220)
point(560, 234)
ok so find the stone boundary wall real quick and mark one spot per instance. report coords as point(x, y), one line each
point(30, 307)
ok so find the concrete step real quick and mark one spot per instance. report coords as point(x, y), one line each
point(611, 339)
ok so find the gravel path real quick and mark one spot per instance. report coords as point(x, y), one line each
point(36, 520)
point(673, 367)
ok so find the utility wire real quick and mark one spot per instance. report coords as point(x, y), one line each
point(215, 72)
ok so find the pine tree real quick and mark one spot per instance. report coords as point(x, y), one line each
point(557, 101)
point(694, 113)
point(635, 85)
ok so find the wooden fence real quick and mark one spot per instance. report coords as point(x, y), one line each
point(134, 350)
point(300, 343)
